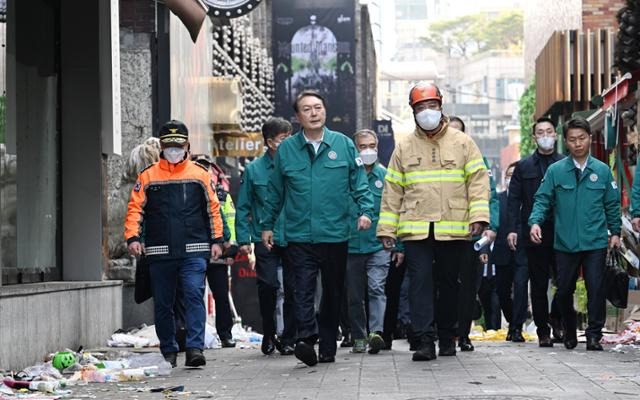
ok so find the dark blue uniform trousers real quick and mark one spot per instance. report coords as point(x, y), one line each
point(166, 275)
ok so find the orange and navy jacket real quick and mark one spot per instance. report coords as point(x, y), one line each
point(175, 211)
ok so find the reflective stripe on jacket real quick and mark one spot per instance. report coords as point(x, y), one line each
point(441, 180)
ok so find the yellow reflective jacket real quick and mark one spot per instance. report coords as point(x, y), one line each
point(442, 179)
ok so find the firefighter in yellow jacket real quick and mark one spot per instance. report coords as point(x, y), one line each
point(436, 197)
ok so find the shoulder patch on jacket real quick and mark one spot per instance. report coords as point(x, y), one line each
point(137, 187)
point(614, 185)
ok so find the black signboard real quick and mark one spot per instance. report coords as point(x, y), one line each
point(314, 48)
point(386, 142)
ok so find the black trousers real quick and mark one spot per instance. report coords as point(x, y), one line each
point(433, 268)
point(267, 263)
point(593, 269)
point(542, 267)
point(345, 320)
point(331, 260)
point(490, 304)
point(513, 278)
point(470, 277)
point(392, 290)
point(218, 278)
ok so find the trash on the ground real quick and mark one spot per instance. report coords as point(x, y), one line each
point(63, 359)
point(146, 337)
point(44, 381)
point(167, 389)
point(44, 371)
point(629, 337)
point(246, 337)
point(479, 334)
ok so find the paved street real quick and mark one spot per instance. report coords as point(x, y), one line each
point(493, 371)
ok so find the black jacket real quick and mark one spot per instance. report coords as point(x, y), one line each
point(525, 181)
point(501, 253)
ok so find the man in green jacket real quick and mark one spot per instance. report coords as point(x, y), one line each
point(586, 202)
point(317, 173)
point(252, 199)
point(368, 263)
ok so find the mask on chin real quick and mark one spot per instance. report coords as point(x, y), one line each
point(428, 120)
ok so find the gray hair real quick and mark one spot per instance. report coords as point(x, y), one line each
point(141, 157)
point(364, 132)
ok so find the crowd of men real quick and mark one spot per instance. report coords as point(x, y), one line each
point(320, 206)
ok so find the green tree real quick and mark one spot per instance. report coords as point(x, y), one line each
point(476, 33)
point(527, 110)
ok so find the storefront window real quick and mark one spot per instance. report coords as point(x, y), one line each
point(29, 146)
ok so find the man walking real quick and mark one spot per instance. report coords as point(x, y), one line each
point(317, 173)
point(471, 272)
point(527, 175)
point(511, 270)
point(585, 201)
point(435, 198)
point(181, 230)
point(252, 199)
point(368, 262)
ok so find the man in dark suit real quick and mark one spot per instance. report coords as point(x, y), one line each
point(511, 269)
point(526, 179)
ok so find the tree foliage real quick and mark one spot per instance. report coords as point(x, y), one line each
point(476, 33)
point(527, 110)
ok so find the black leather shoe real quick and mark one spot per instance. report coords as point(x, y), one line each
point(447, 348)
point(426, 352)
point(594, 344)
point(465, 345)
point(287, 350)
point(306, 353)
point(228, 342)
point(545, 341)
point(517, 336)
point(509, 336)
point(268, 346)
point(195, 358)
point(171, 358)
point(326, 359)
point(346, 341)
point(570, 343)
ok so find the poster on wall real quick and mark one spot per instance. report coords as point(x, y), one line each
point(314, 48)
point(386, 141)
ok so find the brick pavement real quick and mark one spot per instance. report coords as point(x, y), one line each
point(493, 371)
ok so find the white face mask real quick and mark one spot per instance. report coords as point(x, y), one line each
point(546, 143)
point(174, 154)
point(429, 119)
point(369, 156)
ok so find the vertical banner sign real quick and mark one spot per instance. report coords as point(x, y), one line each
point(386, 142)
point(314, 48)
